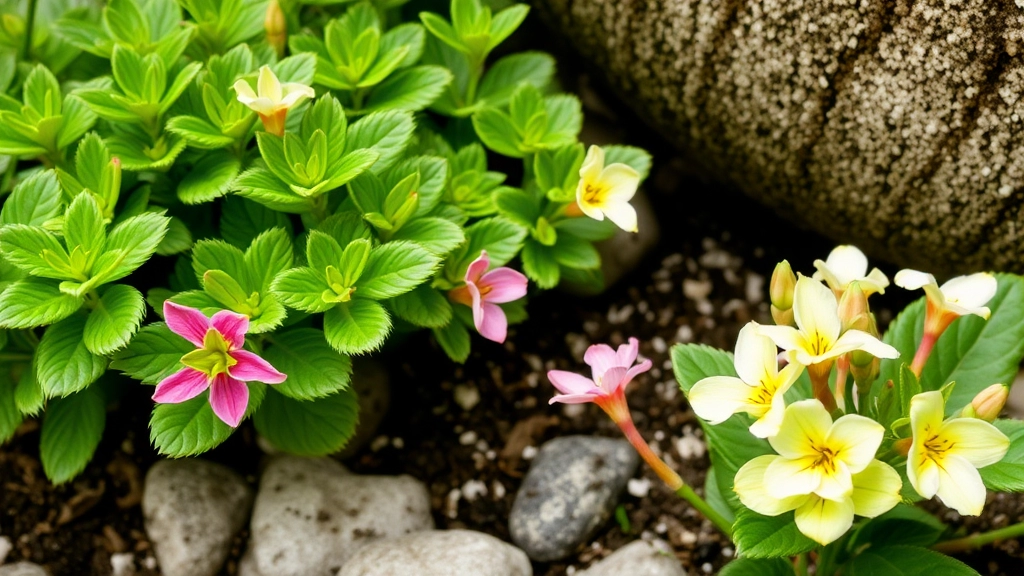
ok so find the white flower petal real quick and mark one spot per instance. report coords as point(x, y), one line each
point(960, 486)
point(245, 92)
point(976, 441)
point(824, 521)
point(876, 489)
point(971, 293)
point(858, 340)
point(622, 214)
point(817, 313)
point(926, 411)
point(593, 164)
point(756, 357)
point(268, 84)
point(847, 263)
point(620, 182)
point(912, 279)
point(716, 398)
point(855, 440)
point(785, 337)
point(837, 484)
point(804, 426)
point(876, 281)
point(768, 425)
point(749, 486)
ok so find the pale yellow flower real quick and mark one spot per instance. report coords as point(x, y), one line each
point(847, 264)
point(945, 454)
point(960, 296)
point(758, 391)
point(274, 99)
point(605, 191)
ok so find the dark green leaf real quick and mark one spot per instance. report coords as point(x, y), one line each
point(308, 428)
point(314, 369)
point(71, 431)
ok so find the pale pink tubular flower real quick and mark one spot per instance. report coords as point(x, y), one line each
point(218, 363)
point(483, 292)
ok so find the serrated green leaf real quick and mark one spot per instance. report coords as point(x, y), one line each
point(905, 561)
point(502, 79)
point(64, 365)
point(191, 427)
point(178, 238)
point(10, 416)
point(540, 265)
point(386, 133)
point(302, 289)
point(219, 255)
point(314, 369)
point(1007, 475)
point(24, 247)
point(153, 354)
point(636, 158)
point(114, 320)
point(262, 186)
point(308, 428)
point(357, 327)
point(758, 536)
point(497, 131)
point(395, 268)
point(902, 526)
point(34, 201)
point(413, 89)
point(28, 396)
point(35, 302)
point(438, 236)
point(423, 306)
point(198, 132)
point(71, 431)
point(454, 340)
point(210, 178)
point(269, 254)
point(242, 220)
point(130, 244)
point(758, 567)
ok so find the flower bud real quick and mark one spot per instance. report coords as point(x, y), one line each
point(782, 286)
point(853, 307)
point(988, 403)
point(276, 26)
point(865, 323)
point(783, 317)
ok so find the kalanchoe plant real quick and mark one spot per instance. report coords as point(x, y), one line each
point(816, 465)
point(226, 200)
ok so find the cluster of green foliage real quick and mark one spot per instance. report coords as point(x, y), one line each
point(125, 153)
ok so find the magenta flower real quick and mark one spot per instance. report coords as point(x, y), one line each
point(219, 362)
point(611, 370)
point(484, 291)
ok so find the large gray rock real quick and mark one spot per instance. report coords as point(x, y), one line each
point(638, 558)
point(373, 389)
point(439, 553)
point(898, 126)
point(311, 515)
point(23, 569)
point(192, 510)
point(569, 492)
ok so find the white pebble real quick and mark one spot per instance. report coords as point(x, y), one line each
point(755, 288)
point(5, 548)
point(122, 564)
point(498, 490)
point(468, 437)
point(705, 308)
point(529, 452)
point(379, 443)
point(696, 289)
point(474, 489)
point(690, 447)
point(659, 345)
point(452, 503)
point(687, 538)
point(728, 552)
point(707, 567)
point(684, 334)
point(638, 487)
point(573, 410)
point(149, 563)
point(397, 443)
point(467, 396)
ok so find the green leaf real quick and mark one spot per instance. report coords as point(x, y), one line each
point(357, 327)
point(28, 395)
point(260, 185)
point(153, 354)
point(505, 23)
point(130, 244)
point(758, 567)
point(10, 416)
point(973, 352)
point(423, 306)
point(438, 236)
point(636, 158)
point(395, 268)
point(502, 79)
point(454, 340)
point(497, 131)
point(442, 30)
point(498, 236)
point(413, 89)
point(715, 498)
point(905, 561)
point(34, 201)
point(758, 536)
point(35, 302)
point(71, 431)
point(177, 240)
point(302, 289)
point(308, 428)
point(24, 246)
point(63, 363)
point(269, 254)
point(314, 369)
point(191, 427)
point(540, 265)
point(1007, 475)
point(114, 320)
point(902, 526)
point(387, 133)
point(83, 225)
point(211, 177)
point(198, 133)
point(242, 220)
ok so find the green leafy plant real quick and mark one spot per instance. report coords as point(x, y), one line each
point(315, 175)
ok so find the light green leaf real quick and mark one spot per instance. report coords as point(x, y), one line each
point(64, 365)
point(308, 428)
point(28, 395)
point(540, 265)
point(636, 158)
point(758, 567)
point(1007, 475)
point(572, 252)
point(10, 416)
point(153, 354)
point(191, 427)
point(454, 340)
point(314, 369)
point(302, 289)
point(114, 320)
point(24, 247)
point(496, 130)
point(906, 561)
point(269, 254)
point(130, 244)
point(242, 220)
point(260, 185)
point(501, 80)
point(177, 240)
point(34, 201)
point(438, 236)
point(423, 306)
point(413, 89)
point(387, 133)
point(395, 268)
point(758, 536)
point(71, 431)
point(210, 178)
point(35, 302)
point(198, 132)
point(357, 327)
point(219, 255)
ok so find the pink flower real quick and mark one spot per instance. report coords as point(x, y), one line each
point(218, 363)
point(611, 370)
point(484, 291)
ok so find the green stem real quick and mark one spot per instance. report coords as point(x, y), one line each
point(15, 357)
point(12, 168)
point(30, 22)
point(801, 565)
point(687, 493)
point(978, 540)
point(475, 72)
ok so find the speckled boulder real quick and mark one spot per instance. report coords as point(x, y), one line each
point(897, 125)
point(23, 569)
point(638, 558)
point(439, 553)
point(569, 492)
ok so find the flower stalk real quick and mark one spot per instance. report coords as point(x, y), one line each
point(975, 541)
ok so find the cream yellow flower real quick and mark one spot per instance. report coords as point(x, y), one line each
point(758, 391)
point(274, 98)
point(960, 296)
point(945, 454)
point(826, 472)
point(605, 191)
point(847, 264)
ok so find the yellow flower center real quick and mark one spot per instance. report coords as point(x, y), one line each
point(765, 392)
point(819, 343)
point(593, 194)
point(213, 358)
point(935, 447)
point(826, 460)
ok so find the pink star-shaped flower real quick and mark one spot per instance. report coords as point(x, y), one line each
point(484, 291)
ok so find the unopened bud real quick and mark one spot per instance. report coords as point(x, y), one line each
point(988, 403)
point(782, 286)
point(276, 26)
point(867, 373)
point(853, 308)
point(783, 317)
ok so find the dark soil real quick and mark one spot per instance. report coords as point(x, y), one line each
point(705, 280)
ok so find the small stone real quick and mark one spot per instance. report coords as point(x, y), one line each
point(568, 493)
point(122, 564)
point(311, 515)
point(638, 487)
point(5, 548)
point(439, 553)
point(638, 558)
point(468, 437)
point(474, 489)
point(192, 510)
point(23, 569)
point(373, 389)
point(467, 396)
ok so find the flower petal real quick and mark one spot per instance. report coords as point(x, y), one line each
point(592, 166)
point(491, 322)
point(976, 441)
point(601, 357)
point(912, 279)
point(756, 357)
point(252, 368)
point(876, 489)
point(612, 380)
point(716, 398)
point(231, 326)
point(875, 282)
point(477, 268)
point(628, 352)
point(804, 426)
point(622, 214)
point(847, 263)
point(855, 439)
point(786, 477)
point(926, 410)
point(229, 398)
point(768, 425)
point(922, 472)
point(816, 310)
point(837, 484)
point(268, 84)
point(971, 292)
point(185, 384)
point(858, 340)
point(750, 487)
point(506, 285)
point(574, 398)
point(189, 323)
point(571, 382)
point(294, 92)
point(824, 521)
point(245, 93)
point(785, 337)
point(635, 371)
point(960, 486)
point(620, 181)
